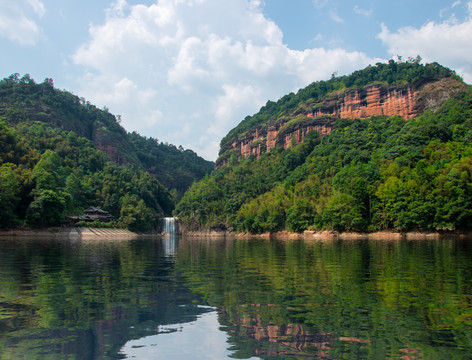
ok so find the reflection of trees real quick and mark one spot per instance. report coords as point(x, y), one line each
point(341, 299)
point(327, 299)
point(85, 300)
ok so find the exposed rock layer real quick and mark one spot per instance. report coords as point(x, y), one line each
point(371, 101)
point(406, 101)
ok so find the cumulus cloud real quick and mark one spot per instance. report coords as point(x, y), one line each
point(117, 8)
point(187, 72)
point(18, 20)
point(447, 42)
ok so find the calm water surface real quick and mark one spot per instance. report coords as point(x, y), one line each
point(184, 298)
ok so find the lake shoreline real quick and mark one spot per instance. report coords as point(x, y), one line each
point(379, 235)
point(334, 235)
point(103, 233)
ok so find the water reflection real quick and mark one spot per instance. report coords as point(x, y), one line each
point(205, 298)
point(336, 300)
point(85, 300)
point(201, 339)
point(168, 244)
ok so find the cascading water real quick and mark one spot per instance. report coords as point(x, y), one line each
point(168, 225)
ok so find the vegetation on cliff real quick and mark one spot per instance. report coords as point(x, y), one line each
point(306, 100)
point(367, 174)
point(59, 155)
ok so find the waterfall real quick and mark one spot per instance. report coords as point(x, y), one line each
point(168, 225)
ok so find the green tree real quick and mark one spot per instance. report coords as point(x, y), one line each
point(79, 191)
point(48, 172)
point(341, 212)
point(9, 191)
point(387, 193)
point(47, 209)
point(135, 215)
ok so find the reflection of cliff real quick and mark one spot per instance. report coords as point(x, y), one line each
point(270, 339)
point(406, 101)
point(284, 339)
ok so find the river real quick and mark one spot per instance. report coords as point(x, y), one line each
point(201, 298)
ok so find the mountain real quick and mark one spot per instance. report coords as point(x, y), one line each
point(404, 89)
point(387, 147)
point(60, 154)
point(21, 99)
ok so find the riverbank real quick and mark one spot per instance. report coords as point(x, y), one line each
point(102, 234)
point(71, 232)
point(333, 235)
point(209, 233)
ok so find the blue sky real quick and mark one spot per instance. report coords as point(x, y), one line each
point(187, 71)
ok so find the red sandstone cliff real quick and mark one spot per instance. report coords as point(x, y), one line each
point(374, 100)
point(406, 101)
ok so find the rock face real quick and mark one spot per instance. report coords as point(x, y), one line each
point(406, 101)
point(113, 153)
point(261, 140)
point(374, 100)
point(111, 144)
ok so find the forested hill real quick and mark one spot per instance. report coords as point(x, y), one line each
point(23, 100)
point(406, 89)
point(60, 154)
point(410, 171)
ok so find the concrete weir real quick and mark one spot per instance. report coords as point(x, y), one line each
point(72, 233)
point(91, 233)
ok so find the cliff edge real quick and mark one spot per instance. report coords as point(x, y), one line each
point(288, 127)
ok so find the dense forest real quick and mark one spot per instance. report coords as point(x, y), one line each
point(366, 175)
point(59, 154)
point(399, 73)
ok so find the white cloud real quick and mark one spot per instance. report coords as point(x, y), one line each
point(320, 3)
point(236, 99)
point(38, 7)
point(335, 17)
point(443, 12)
point(447, 43)
point(117, 8)
point(318, 37)
point(360, 11)
point(329, 9)
point(256, 4)
point(17, 20)
point(187, 72)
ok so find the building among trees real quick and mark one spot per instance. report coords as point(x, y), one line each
point(93, 214)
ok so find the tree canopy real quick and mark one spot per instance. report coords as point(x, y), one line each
point(51, 165)
point(22, 101)
point(401, 72)
point(366, 175)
